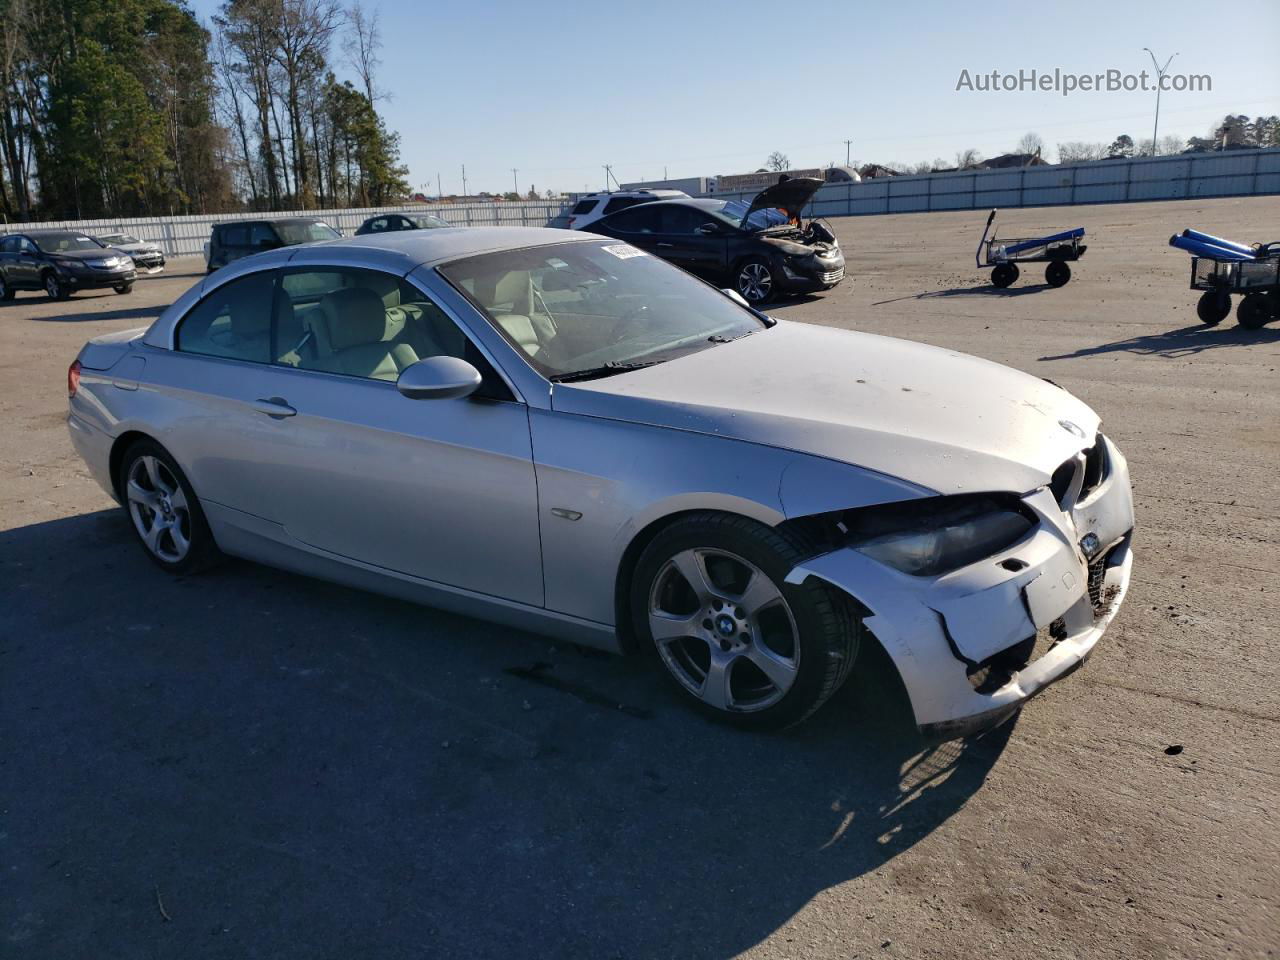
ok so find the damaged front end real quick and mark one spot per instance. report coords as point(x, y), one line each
point(982, 601)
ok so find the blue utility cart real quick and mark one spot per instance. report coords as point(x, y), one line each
point(1221, 267)
point(1003, 254)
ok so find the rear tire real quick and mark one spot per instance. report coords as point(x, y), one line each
point(1254, 311)
point(1003, 275)
point(1057, 273)
point(163, 510)
point(738, 641)
point(6, 291)
point(1213, 307)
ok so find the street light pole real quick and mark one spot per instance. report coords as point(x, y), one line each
point(847, 145)
point(1160, 71)
point(464, 179)
point(515, 184)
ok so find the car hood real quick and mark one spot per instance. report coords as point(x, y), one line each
point(83, 254)
point(936, 418)
point(790, 196)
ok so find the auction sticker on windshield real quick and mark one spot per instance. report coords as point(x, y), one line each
point(623, 251)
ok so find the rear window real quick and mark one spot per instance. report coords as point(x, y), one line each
point(584, 206)
point(293, 231)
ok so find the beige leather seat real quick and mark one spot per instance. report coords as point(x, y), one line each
point(509, 299)
point(352, 336)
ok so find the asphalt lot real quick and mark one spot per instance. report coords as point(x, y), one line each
point(250, 764)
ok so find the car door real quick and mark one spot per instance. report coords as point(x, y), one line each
point(444, 489)
point(682, 240)
point(29, 263)
point(9, 260)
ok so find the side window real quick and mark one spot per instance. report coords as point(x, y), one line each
point(583, 206)
point(641, 220)
point(234, 321)
point(262, 237)
point(620, 203)
point(9, 244)
point(235, 236)
point(26, 247)
point(361, 323)
point(681, 220)
point(378, 226)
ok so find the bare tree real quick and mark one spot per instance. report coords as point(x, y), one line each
point(1030, 143)
point(361, 48)
point(301, 37)
point(1077, 151)
point(778, 162)
point(968, 159)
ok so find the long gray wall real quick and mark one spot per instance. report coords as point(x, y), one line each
point(1182, 177)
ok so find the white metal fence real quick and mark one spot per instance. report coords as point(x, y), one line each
point(1181, 177)
point(185, 236)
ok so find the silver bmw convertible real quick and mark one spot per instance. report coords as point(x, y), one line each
point(558, 432)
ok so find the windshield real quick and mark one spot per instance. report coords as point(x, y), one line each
point(589, 308)
point(294, 231)
point(111, 238)
point(734, 210)
point(65, 242)
point(426, 221)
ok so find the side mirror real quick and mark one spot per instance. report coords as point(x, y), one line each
point(438, 378)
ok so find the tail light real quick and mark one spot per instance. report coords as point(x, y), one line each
point(73, 378)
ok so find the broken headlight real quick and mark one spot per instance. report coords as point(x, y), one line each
point(926, 538)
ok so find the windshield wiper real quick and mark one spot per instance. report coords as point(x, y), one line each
point(604, 370)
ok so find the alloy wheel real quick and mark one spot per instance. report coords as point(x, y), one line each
point(755, 282)
point(52, 287)
point(724, 630)
point(158, 507)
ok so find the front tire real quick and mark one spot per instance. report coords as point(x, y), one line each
point(6, 291)
point(1213, 307)
point(709, 596)
point(123, 288)
point(1057, 273)
point(755, 280)
point(1003, 275)
point(164, 510)
point(54, 288)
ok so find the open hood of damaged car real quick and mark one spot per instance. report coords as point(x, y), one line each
point(789, 196)
point(936, 418)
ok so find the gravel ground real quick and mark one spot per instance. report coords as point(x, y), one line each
point(250, 764)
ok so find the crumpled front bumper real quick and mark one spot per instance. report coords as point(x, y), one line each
point(941, 630)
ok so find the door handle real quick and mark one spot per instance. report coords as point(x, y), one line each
point(664, 244)
point(274, 407)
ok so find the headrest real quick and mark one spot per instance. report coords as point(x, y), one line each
point(353, 316)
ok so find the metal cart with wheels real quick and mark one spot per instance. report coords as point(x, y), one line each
point(1257, 280)
point(1004, 254)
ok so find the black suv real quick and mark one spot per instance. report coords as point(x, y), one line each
point(240, 238)
point(60, 262)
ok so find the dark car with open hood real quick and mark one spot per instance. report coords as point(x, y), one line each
point(761, 250)
point(60, 262)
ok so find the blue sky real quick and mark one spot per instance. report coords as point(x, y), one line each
point(556, 90)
